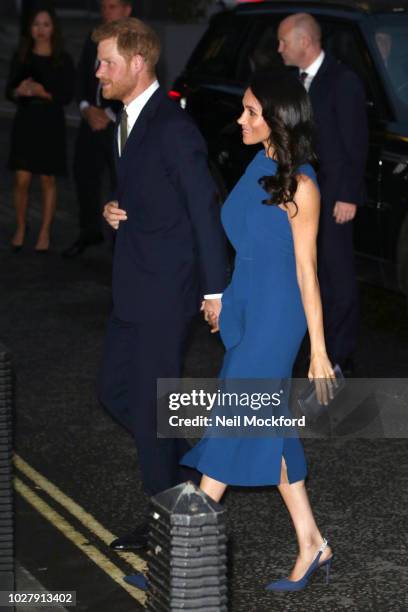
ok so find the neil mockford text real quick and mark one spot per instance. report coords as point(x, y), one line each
point(203, 399)
point(220, 399)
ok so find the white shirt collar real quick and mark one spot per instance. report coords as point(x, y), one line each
point(135, 107)
point(313, 69)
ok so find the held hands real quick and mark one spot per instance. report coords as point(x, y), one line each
point(212, 310)
point(322, 373)
point(30, 88)
point(113, 214)
point(344, 212)
point(96, 117)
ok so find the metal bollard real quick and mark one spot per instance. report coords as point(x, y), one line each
point(6, 472)
point(187, 557)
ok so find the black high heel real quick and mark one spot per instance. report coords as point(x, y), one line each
point(16, 248)
point(43, 251)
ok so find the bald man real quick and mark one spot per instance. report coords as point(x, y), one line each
point(338, 101)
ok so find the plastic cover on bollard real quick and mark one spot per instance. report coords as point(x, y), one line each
point(187, 552)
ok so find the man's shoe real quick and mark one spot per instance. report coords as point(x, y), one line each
point(75, 249)
point(81, 244)
point(136, 540)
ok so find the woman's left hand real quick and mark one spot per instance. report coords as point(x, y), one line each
point(322, 373)
point(37, 90)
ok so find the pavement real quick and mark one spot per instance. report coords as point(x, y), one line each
point(77, 481)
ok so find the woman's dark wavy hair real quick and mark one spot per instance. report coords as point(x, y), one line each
point(27, 42)
point(287, 110)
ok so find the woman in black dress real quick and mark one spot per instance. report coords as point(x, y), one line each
point(40, 82)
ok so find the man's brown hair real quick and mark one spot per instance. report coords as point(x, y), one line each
point(133, 37)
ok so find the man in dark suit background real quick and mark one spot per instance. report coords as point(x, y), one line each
point(169, 249)
point(93, 156)
point(338, 102)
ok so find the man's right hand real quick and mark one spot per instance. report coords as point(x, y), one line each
point(113, 214)
point(96, 118)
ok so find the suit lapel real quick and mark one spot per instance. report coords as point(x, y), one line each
point(138, 131)
point(115, 143)
point(316, 82)
point(126, 162)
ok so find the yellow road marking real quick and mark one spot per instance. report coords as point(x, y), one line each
point(78, 539)
point(77, 511)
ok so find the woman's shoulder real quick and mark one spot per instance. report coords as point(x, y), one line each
point(307, 170)
point(262, 162)
point(307, 173)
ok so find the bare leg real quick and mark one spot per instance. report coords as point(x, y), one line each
point(49, 196)
point(21, 187)
point(308, 535)
point(213, 488)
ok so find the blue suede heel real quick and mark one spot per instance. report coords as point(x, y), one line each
point(297, 585)
point(137, 580)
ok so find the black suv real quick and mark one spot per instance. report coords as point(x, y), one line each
point(372, 38)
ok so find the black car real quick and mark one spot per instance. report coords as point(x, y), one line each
point(372, 38)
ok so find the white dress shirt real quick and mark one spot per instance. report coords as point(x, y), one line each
point(312, 70)
point(135, 107)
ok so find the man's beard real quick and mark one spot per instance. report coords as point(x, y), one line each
point(116, 91)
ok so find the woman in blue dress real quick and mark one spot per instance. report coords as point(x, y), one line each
point(271, 218)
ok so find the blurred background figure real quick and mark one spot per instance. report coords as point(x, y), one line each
point(93, 156)
point(40, 82)
point(384, 44)
point(393, 49)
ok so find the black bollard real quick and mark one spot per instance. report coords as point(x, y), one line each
point(187, 557)
point(6, 473)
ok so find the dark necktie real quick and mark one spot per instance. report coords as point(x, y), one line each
point(123, 130)
point(302, 77)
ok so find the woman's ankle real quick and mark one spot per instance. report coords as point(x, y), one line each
point(310, 544)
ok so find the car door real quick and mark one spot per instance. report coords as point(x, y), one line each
point(344, 40)
point(210, 89)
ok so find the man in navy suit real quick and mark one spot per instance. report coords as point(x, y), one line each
point(338, 102)
point(169, 248)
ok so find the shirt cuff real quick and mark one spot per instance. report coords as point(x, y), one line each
point(110, 113)
point(213, 296)
point(83, 105)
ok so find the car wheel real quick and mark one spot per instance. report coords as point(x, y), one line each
point(402, 258)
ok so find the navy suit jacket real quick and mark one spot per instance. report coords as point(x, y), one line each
point(171, 250)
point(339, 107)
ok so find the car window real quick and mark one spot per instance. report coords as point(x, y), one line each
point(389, 36)
point(344, 41)
point(216, 53)
point(261, 49)
point(341, 38)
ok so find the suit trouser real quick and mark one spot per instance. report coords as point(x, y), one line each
point(338, 286)
point(134, 356)
point(92, 159)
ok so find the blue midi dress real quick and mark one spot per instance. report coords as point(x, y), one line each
point(262, 324)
